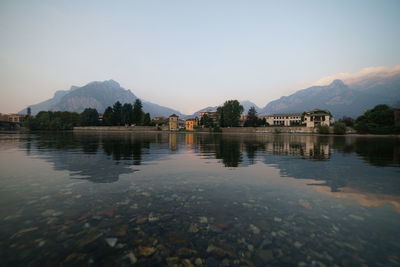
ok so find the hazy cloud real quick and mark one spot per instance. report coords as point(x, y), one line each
point(370, 72)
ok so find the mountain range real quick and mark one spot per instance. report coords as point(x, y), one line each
point(339, 98)
point(98, 95)
point(342, 98)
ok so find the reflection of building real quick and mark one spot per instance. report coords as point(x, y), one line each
point(305, 146)
point(173, 141)
point(189, 139)
point(190, 124)
point(173, 122)
point(317, 117)
point(288, 119)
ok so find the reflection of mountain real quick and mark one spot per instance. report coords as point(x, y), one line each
point(104, 157)
point(340, 171)
point(231, 149)
point(338, 162)
point(376, 151)
point(313, 157)
point(346, 169)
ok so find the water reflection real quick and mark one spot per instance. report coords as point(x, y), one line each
point(212, 199)
point(334, 161)
point(103, 159)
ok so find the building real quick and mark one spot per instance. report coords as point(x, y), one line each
point(190, 124)
point(173, 122)
point(210, 113)
point(288, 119)
point(318, 117)
point(3, 117)
point(310, 119)
point(16, 118)
point(159, 119)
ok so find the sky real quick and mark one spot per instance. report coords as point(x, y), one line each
point(189, 54)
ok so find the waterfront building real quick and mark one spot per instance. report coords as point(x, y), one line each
point(210, 113)
point(159, 119)
point(190, 124)
point(284, 119)
point(318, 117)
point(309, 119)
point(16, 118)
point(173, 122)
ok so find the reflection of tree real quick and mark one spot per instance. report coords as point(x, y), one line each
point(125, 149)
point(229, 151)
point(59, 141)
point(375, 151)
point(79, 153)
point(252, 148)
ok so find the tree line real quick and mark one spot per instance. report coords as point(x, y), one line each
point(228, 115)
point(117, 115)
point(379, 120)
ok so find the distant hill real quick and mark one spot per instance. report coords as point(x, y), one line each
point(98, 95)
point(248, 104)
point(339, 98)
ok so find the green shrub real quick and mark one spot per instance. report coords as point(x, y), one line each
point(339, 128)
point(323, 129)
point(379, 120)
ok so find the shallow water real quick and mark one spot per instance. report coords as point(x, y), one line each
point(197, 199)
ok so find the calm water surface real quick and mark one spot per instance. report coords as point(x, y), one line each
point(76, 199)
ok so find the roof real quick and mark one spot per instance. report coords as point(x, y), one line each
point(285, 114)
point(174, 115)
point(191, 119)
point(318, 112)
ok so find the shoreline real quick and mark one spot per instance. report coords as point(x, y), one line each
point(237, 131)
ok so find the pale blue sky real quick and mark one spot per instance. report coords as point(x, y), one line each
point(191, 53)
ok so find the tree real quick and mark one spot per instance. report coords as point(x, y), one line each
point(48, 120)
point(229, 113)
point(29, 111)
point(127, 113)
point(206, 121)
point(323, 129)
point(108, 116)
point(89, 117)
point(117, 114)
point(347, 121)
point(146, 119)
point(252, 119)
point(339, 128)
point(379, 120)
point(220, 117)
point(137, 112)
point(262, 122)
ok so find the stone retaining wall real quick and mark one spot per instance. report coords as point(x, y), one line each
point(268, 130)
point(117, 128)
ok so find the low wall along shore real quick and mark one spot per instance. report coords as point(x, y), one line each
point(271, 129)
point(117, 128)
point(224, 130)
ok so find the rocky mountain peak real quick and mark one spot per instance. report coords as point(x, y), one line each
point(337, 83)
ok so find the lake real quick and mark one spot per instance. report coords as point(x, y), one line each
point(157, 199)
